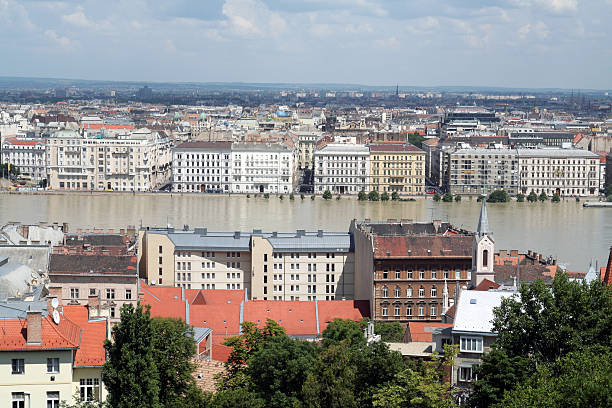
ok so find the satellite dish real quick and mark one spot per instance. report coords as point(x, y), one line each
point(56, 317)
point(54, 303)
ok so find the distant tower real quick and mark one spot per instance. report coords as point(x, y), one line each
point(482, 250)
point(397, 90)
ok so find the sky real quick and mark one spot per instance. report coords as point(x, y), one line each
point(507, 43)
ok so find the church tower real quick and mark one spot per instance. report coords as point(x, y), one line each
point(483, 247)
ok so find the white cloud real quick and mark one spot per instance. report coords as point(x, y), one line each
point(559, 6)
point(53, 37)
point(253, 18)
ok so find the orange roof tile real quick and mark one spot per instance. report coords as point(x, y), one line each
point(485, 285)
point(91, 351)
point(422, 331)
point(221, 352)
point(298, 318)
point(65, 335)
point(344, 309)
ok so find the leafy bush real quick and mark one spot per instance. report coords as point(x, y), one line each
point(520, 197)
point(480, 198)
point(373, 196)
point(281, 197)
point(436, 196)
point(448, 198)
point(556, 198)
point(532, 197)
point(457, 198)
point(327, 195)
point(498, 196)
point(362, 196)
point(338, 197)
point(302, 196)
point(248, 196)
point(384, 196)
point(312, 197)
point(395, 196)
point(542, 197)
point(266, 196)
point(291, 197)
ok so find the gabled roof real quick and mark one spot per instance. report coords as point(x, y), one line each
point(486, 284)
point(298, 318)
point(65, 335)
point(91, 351)
point(607, 276)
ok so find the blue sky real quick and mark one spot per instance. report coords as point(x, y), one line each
point(513, 43)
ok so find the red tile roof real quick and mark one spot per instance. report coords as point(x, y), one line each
point(65, 335)
point(486, 284)
point(91, 351)
point(298, 318)
point(422, 331)
point(221, 352)
point(345, 309)
point(16, 142)
point(452, 246)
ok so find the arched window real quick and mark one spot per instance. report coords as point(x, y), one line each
point(385, 292)
point(409, 291)
point(485, 258)
point(421, 292)
point(398, 292)
point(434, 291)
point(397, 310)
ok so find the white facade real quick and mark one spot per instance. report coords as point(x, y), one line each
point(139, 161)
point(28, 155)
point(202, 167)
point(341, 168)
point(262, 168)
point(567, 172)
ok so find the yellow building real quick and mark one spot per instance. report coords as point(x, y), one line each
point(397, 167)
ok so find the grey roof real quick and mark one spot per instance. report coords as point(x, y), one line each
point(312, 242)
point(260, 147)
point(333, 148)
point(591, 275)
point(36, 257)
point(213, 240)
point(17, 309)
point(557, 153)
point(200, 333)
point(483, 221)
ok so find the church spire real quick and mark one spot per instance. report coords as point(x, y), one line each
point(483, 221)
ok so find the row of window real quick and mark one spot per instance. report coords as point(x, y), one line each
point(422, 275)
point(110, 293)
point(398, 292)
point(397, 310)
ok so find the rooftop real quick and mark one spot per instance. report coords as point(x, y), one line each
point(474, 311)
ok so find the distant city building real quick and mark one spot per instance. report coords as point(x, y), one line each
point(262, 168)
point(397, 167)
point(27, 155)
point(144, 93)
point(342, 168)
point(202, 167)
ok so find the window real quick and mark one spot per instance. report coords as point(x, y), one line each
point(18, 366)
point(432, 310)
point(53, 365)
point(385, 292)
point(160, 249)
point(128, 294)
point(421, 292)
point(112, 312)
point(409, 310)
point(458, 274)
point(397, 292)
point(74, 293)
point(385, 311)
point(385, 273)
point(398, 274)
point(110, 293)
point(409, 274)
point(92, 292)
point(409, 291)
point(265, 257)
point(434, 291)
point(397, 310)
point(421, 310)
point(467, 374)
point(485, 258)
point(90, 389)
point(421, 274)
point(434, 274)
point(446, 274)
point(18, 400)
point(471, 344)
point(53, 399)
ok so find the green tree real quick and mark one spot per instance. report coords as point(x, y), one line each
point(532, 197)
point(279, 368)
point(291, 197)
point(580, 379)
point(384, 196)
point(130, 374)
point(331, 382)
point(312, 197)
point(266, 196)
point(79, 403)
point(498, 196)
point(237, 398)
point(608, 189)
point(395, 196)
point(327, 195)
point(362, 196)
point(556, 198)
point(457, 198)
point(448, 198)
point(480, 198)
point(347, 330)
point(281, 197)
point(8, 170)
point(542, 197)
point(373, 195)
point(437, 196)
point(520, 197)
point(389, 331)
point(173, 350)
point(301, 196)
point(416, 139)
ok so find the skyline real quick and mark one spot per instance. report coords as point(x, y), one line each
point(503, 43)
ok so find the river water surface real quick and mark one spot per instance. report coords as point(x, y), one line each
point(569, 232)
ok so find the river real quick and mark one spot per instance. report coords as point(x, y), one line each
point(569, 232)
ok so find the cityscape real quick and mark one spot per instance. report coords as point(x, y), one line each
point(197, 230)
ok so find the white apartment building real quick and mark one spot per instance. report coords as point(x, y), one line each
point(28, 155)
point(262, 168)
point(136, 161)
point(341, 168)
point(567, 172)
point(202, 167)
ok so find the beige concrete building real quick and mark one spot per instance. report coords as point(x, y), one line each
point(306, 145)
point(136, 161)
point(269, 266)
point(397, 167)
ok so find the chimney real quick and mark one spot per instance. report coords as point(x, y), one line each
point(503, 252)
point(56, 291)
point(514, 252)
point(93, 305)
point(34, 329)
point(236, 234)
point(65, 228)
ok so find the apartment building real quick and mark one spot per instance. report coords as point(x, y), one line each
point(28, 155)
point(342, 168)
point(269, 266)
point(410, 271)
point(566, 172)
point(481, 171)
point(397, 167)
point(202, 167)
point(263, 168)
point(136, 161)
point(306, 145)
